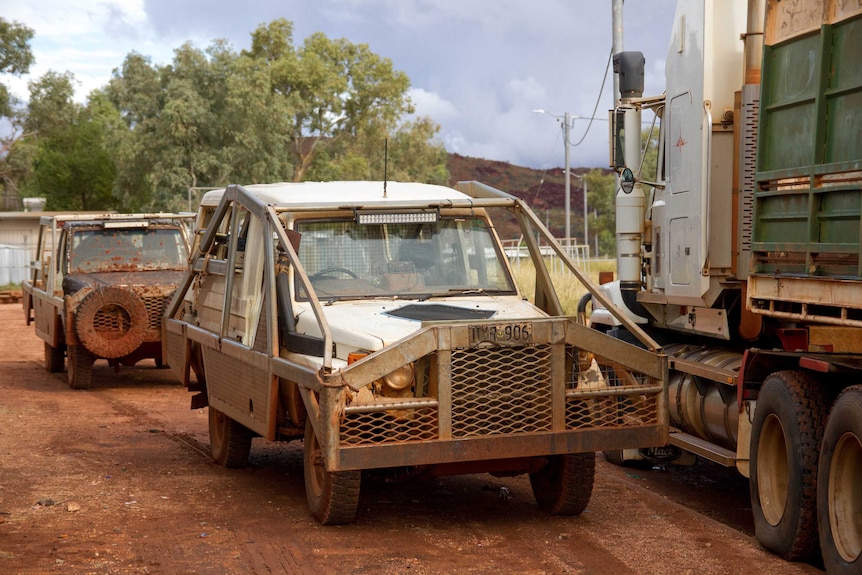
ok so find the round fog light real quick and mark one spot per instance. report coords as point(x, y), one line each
point(400, 379)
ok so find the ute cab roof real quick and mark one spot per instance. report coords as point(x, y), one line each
point(344, 194)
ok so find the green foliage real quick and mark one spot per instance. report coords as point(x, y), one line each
point(16, 57)
point(649, 145)
point(69, 161)
point(601, 198)
point(276, 112)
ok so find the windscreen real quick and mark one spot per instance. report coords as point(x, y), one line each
point(344, 259)
point(127, 250)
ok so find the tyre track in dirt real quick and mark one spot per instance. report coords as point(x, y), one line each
point(135, 459)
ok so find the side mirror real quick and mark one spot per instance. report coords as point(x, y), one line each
point(627, 180)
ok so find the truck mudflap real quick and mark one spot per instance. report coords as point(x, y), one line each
point(490, 390)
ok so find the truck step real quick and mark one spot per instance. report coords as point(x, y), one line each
point(703, 448)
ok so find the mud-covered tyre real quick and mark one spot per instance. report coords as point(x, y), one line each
point(55, 358)
point(332, 496)
point(839, 486)
point(80, 371)
point(785, 440)
point(564, 485)
point(230, 441)
point(111, 322)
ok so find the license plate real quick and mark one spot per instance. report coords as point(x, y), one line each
point(501, 333)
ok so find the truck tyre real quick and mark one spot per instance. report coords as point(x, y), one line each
point(230, 441)
point(55, 358)
point(111, 322)
point(839, 490)
point(332, 495)
point(785, 439)
point(80, 370)
point(565, 484)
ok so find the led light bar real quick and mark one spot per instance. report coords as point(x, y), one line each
point(369, 218)
point(122, 225)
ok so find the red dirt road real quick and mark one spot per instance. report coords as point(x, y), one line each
point(118, 480)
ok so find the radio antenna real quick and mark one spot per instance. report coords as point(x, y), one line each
point(385, 164)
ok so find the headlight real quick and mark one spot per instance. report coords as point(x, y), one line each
point(400, 379)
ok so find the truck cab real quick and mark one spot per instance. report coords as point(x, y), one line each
point(100, 287)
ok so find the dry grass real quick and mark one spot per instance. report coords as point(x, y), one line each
point(569, 288)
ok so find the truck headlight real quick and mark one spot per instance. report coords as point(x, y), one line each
point(400, 379)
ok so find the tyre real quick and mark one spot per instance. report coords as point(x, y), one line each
point(565, 484)
point(55, 358)
point(230, 441)
point(839, 488)
point(111, 322)
point(332, 495)
point(80, 370)
point(785, 439)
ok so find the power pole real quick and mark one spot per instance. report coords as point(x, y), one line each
point(566, 122)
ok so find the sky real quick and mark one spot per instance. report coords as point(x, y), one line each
point(478, 68)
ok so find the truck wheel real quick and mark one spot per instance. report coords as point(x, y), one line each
point(332, 495)
point(80, 370)
point(785, 439)
point(839, 490)
point(55, 358)
point(230, 441)
point(565, 484)
point(111, 322)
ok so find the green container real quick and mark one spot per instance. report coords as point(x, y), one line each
point(807, 206)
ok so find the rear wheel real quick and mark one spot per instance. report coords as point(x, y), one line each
point(785, 439)
point(332, 495)
point(80, 370)
point(230, 442)
point(54, 358)
point(839, 490)
point(565, 484)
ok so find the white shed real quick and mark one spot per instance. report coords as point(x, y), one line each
point(14, 264)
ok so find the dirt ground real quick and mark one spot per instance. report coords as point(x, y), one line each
point(118, 480)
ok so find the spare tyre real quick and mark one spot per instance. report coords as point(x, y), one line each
point(111, 322)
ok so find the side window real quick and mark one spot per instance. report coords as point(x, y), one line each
point(62, 248)
point(247, 297)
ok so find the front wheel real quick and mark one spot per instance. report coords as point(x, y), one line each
point(565, 484)
point(332, 495)
point(80, 370)
point(230, 441)
point(839, 490)
point(785, 439)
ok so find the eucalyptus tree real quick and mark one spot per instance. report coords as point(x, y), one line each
point(16, 57)
point(275, 112)
point(70, 165)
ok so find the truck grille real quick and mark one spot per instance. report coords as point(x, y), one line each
point(608, 397)
point(508, 391)
point(156, 306)
point(500, 391)
point(392, 426)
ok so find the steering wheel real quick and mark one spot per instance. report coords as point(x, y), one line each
point(325, 271)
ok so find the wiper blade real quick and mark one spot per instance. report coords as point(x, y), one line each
point(474, 291)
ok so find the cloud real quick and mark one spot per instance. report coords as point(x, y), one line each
point(477, 68)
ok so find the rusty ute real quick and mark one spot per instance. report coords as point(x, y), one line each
point(380, 322)
point(100, 286)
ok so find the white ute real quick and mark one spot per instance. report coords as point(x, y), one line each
point(380, 322)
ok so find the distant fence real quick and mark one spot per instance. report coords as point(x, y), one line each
point(516, 251)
